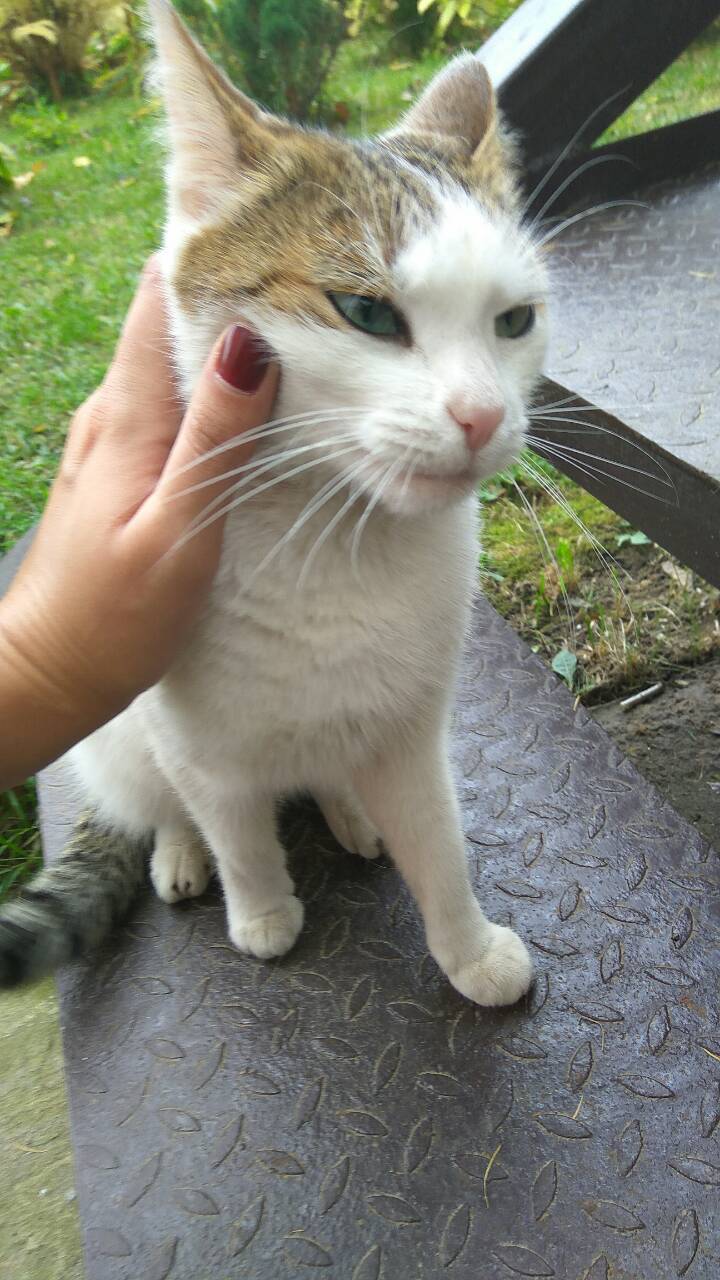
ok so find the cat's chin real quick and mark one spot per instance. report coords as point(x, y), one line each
point(415, 492)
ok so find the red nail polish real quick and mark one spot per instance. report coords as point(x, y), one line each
point(243, 359)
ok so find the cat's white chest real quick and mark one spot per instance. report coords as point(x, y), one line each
point(295, 672)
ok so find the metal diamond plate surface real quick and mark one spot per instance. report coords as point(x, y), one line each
point(344, 1113)
point(636, 315)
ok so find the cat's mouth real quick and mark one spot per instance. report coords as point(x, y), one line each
point(456, 479)
point(411, 488)
point(416, 484)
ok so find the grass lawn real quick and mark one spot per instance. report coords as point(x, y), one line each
point(89, 211)
point(84, 224)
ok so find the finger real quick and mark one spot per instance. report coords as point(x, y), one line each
point(234, 394)
point(140, 383)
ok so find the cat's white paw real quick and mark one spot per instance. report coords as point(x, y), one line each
point(350, 826)
point(179, 867)
point(271, 934)
point(500, 975)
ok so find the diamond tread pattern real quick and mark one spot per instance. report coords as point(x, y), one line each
point(637, 295)
point(344, 1113)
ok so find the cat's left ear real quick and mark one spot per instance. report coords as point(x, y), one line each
point(459, 109)
point(458, 104)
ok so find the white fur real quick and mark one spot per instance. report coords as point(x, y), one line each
point(309, 675)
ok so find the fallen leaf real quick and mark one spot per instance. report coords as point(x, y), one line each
point(82, 162)
point(683, 577)
point(564, 664)
point(635, 539)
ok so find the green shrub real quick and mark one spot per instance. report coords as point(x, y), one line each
point(284, 48)
point(406, 31)
point(44, 41)
point(6, 155)
point(478, 16)
point(117, 54)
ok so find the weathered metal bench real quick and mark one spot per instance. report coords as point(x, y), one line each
point(342, 1110)
point(637, 288)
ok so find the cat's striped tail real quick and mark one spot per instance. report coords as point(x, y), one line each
point(71, 906)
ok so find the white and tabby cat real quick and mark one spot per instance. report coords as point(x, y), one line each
point(405, 303)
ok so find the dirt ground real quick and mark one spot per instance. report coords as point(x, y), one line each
point(675, 742)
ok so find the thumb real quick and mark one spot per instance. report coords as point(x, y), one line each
point(234, 394)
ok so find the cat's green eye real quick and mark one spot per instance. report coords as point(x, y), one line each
point(372, 315)
point(515, 323)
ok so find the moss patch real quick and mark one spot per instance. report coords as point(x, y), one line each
point(39, 1228)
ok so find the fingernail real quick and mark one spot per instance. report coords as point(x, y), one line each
point(243, 359)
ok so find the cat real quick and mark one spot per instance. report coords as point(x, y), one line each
point(406, 303)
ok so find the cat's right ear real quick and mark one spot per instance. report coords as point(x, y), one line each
point(217, 135)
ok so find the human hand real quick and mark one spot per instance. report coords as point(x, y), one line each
point(109, 588)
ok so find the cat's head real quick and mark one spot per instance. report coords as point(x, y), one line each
point(392, 276)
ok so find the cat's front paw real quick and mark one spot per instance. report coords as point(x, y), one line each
point(271, 934)
point(500, 974)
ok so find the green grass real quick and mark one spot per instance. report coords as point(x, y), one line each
point(68, 270)
point(689, 87)
point(20, 853)
point(374, 86)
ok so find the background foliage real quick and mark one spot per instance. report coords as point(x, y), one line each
point(280, 50)
point(45, 42)
point(284, 50)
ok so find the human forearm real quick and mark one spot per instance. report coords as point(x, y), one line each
point(123, 557)
point(39, 718)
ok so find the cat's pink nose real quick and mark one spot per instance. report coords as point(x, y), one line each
point(478, 422)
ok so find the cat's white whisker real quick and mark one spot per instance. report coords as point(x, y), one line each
point(566, 423)
point(558, 407)
point(261, 468)
point(266, 459)
point(586, 468)
point(588, 213)
point(308, 418)
point(385, 479)
point(332, 523)
point(576, 173)
point(608, 562)
point(408, 477)
point(194, 528)
point(328, 490)
point(598, 457)
point(542, 539)
point(589, 469)
point(568, 148)
point(554, 492)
